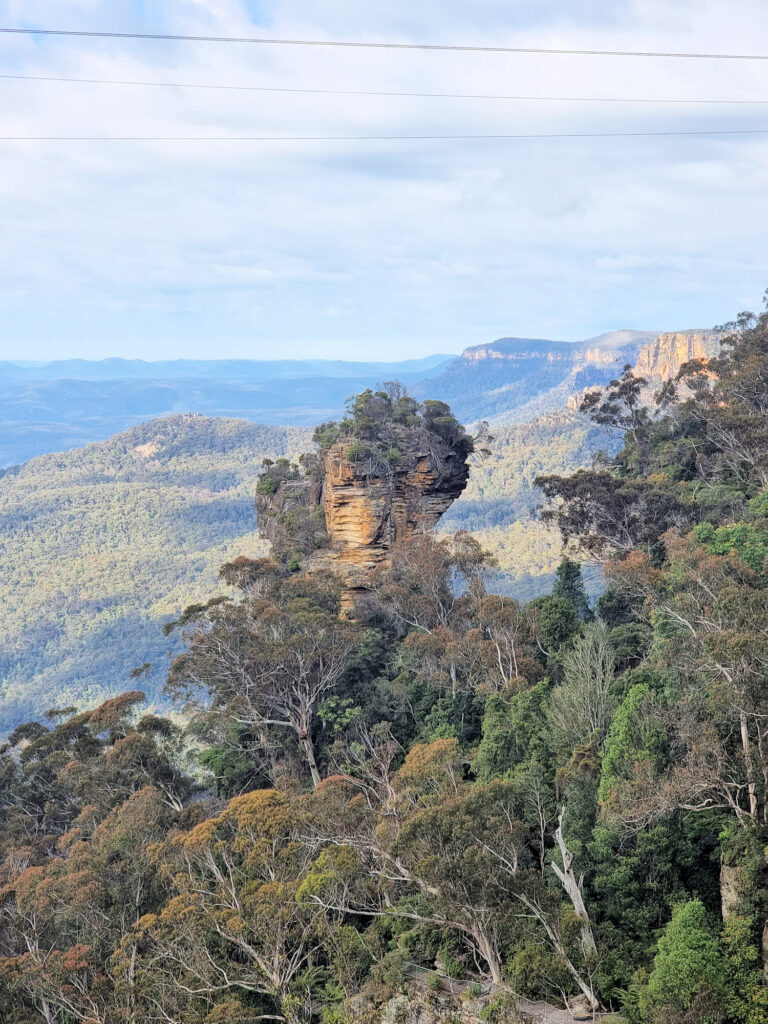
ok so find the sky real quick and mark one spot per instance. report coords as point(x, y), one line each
point(374, 249)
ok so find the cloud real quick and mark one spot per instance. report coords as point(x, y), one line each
point(385, 248)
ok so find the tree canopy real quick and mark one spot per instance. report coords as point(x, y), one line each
point(538, 800)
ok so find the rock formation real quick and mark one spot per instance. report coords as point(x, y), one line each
point(360, 508)
point(365, 514)
point(662, 359)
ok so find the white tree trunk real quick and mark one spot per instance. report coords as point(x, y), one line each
point(572, 887)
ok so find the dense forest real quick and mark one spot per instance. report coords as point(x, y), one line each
point(454, 796)
point(100, 546)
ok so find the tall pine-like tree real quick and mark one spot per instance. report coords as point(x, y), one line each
point(569, 583)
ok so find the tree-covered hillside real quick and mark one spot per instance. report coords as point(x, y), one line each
point(501, 495)
point(100, 546)
point(451, 805)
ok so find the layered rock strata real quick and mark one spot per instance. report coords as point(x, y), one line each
point(663, 358)
point(369, 507)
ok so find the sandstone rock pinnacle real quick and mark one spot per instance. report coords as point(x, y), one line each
point(352, 503)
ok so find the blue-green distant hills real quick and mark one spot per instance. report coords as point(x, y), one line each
point(57, 406)
point(48, 407)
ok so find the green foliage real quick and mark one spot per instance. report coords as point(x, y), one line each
point(634, 737)
point(558, 622)
point(758, 506)
point(743, 992)
point(338, 713)
point(688, 959)
point(743, 539)
point(635, 879)
point(514, 727)
point(569, 584)
point(379, 423)
point(274, 473)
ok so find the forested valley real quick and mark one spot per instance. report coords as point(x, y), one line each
point(453, 798)
point(102, 545)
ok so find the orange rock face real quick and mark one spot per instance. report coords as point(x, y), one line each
point(365, 513)
point(367, 509)
point(665, 355)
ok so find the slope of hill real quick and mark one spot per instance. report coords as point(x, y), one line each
point(488, 380)
point(100, 545)
point(499, 500)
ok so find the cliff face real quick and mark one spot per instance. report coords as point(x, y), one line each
point(662, 359)
point(367, 508)
point(365, 514)
point(509, 374)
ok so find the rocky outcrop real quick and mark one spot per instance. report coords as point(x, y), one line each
point(368, 505)
point(662, 358)
point(367, 512)
point(730, 880)
point(454, 1004)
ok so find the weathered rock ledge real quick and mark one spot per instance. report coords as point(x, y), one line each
point(420, 1006)
point(368, 505)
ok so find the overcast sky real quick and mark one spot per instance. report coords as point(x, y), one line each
point(375, 249)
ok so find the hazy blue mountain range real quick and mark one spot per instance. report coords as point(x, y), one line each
point(61, 405)
point(232, 370)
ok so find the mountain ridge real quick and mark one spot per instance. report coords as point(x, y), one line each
point(504, 381)
point(492, 380)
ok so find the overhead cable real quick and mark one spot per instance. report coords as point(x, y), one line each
point(375, 138)
point(376, 92)
point(357, 44)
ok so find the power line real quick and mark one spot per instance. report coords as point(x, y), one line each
point(265, 41)
point(370, 138)
point(372, 92)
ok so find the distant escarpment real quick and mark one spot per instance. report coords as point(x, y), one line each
point(387, 471)
point(662, 358)
point(666, 354)
point(531, 374)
